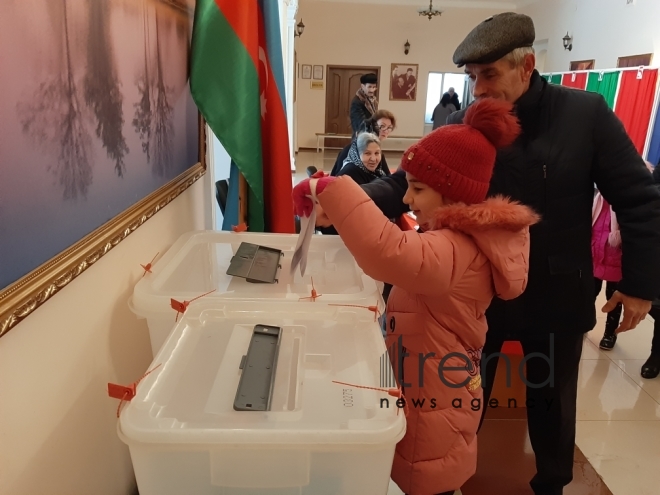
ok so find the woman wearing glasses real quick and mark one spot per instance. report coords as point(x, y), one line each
point(382, 123)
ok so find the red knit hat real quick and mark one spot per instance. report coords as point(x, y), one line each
point(458, 160)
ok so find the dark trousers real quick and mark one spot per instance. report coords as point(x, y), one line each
point(551, 409)
point(614, 316)
point(655, 344)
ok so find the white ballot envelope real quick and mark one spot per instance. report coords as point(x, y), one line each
point(307, 227)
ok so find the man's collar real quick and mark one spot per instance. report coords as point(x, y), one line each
point(530, 99)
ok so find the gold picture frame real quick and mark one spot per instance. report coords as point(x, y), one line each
point(403, 82)
point(23, 297)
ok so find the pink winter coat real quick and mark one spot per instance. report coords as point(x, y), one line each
point(444, 280)
point(605, 241)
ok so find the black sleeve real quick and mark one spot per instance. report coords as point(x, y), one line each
point(388, 194)
point(384, 165)
point(358, 114)
point(339, 162)
point(625, 182)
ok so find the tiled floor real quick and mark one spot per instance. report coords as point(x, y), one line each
point(618, 429)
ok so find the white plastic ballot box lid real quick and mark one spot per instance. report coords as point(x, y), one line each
point(189, 397)
point(197, 263)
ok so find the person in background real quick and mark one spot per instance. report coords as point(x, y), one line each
point(444, 279)
point(411, 84)
point(363, 163)
point(442, 110)
point(454, 98)
point(382, 123)
point(651, 368)
point(606, 255)
point(364, 103)
point(399, 88)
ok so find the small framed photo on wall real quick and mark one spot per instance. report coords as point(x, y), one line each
point(318, 72)
point(403, 82)
point(306, 71)
point(582, 65)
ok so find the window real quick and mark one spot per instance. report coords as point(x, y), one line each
point(439, 83)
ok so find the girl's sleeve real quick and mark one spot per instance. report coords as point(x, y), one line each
point(428, 264)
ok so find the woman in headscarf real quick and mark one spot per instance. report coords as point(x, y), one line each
point(382, 123)
point(363, 163)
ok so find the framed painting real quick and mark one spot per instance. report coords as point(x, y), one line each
point(635, 60)
point(403, 82)
point(99, 132)
point(582, 65)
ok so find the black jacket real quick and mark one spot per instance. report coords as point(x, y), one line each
point(359, 114)
point(570, 141)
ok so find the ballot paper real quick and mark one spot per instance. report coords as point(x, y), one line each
point(307, 227)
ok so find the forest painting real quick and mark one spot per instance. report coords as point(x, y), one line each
point(96, 115)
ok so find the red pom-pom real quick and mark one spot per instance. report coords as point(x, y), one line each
point(493, 119)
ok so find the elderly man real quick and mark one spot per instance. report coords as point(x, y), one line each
point(364, 103)
point(570, 140)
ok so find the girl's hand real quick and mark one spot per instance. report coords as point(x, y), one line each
point(304, 194)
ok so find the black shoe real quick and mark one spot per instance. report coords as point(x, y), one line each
point(608, 341)
point(651, 368)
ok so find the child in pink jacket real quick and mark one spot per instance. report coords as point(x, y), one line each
point(471, 250)
point(606, 254)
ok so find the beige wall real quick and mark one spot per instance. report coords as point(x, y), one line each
point(602, 30)
point(368, 35)
point(57, 424)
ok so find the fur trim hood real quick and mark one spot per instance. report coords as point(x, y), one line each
point(494, 213)
point(500, 228)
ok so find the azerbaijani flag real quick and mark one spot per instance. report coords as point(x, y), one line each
point(237, 82)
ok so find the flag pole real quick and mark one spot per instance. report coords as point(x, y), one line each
point(242, 200)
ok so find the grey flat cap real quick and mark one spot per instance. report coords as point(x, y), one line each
point(494, 38)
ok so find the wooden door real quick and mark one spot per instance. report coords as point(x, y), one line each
point(342, 83)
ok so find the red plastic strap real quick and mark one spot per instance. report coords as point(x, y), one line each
point(394, 392)
point(373, 309)
point(147, 267)
point(125, 393)
point(181, 307)
point(315, 295)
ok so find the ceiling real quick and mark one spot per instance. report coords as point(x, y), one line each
point(440, 4)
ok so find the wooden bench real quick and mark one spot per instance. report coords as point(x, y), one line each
point(321, 136)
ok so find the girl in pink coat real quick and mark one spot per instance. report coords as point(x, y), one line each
point(471, 250)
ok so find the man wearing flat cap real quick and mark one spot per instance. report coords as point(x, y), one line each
point(570, 140)
point(364, 103)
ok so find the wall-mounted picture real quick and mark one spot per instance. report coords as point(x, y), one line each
point(306, 71)
point(318, 72)
point(96, 116)
point(582, 65)
point(635, 60)
point(403, 82)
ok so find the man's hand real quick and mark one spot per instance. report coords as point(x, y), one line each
point(634, 310)
point(322, 219)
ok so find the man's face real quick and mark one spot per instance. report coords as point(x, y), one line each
point(401, 82)
point(369, 88)
point(451, 91)
point(500, 79)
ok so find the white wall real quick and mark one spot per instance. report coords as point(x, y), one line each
point(57, 424)
point(602, 30)
point(370, 35)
